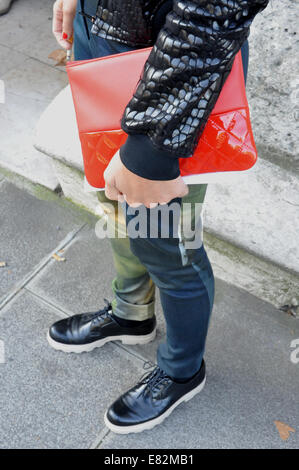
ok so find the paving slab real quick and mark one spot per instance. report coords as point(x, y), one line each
point(83, 280)
point(10, 59)
point(251, 383)
point(30, 229)
point(27, 29)
point(35, 80)
point(50, 400)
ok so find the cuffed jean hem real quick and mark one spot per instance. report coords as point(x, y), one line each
point(129, 311)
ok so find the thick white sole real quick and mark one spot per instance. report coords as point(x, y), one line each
point(153, 422)
point(81, 348)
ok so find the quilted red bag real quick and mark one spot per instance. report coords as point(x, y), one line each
point(102, 88)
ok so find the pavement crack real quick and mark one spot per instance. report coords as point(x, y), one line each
point(291, 203)
point(28, 56)
point(48, 303)
point(100, 439)
point(39, 267)
point(131, 353)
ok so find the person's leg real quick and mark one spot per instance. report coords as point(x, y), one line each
point(179, 266)
point(186, 283)
point(187, 304)
point(134, 291)
point(130, 317)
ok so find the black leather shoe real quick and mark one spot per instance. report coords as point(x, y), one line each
point(87, 331)
point(151, 401)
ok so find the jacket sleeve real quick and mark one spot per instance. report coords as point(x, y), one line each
point(181, 82)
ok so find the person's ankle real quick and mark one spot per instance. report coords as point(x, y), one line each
point(184, 381)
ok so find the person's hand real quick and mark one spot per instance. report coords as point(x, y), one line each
point(64, 12)
point(122, 184)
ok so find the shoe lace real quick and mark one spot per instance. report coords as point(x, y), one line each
point(105, 312)
point(155, 379)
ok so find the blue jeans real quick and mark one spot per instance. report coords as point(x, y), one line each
point(183, 275)
point(85, 48)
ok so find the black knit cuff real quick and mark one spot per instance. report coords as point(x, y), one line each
point(140, 156)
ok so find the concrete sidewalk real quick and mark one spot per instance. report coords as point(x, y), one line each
point(52, 400)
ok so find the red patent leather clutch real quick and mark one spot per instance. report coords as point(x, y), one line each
point(102, 88)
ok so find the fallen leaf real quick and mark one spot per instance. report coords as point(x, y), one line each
point(284, 430)
point(58, 258)
point(2, 264)
point(59, 55)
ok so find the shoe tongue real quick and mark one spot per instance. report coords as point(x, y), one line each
point(156, 376)
point(92, 315)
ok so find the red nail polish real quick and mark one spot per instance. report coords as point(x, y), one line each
point(64, 36)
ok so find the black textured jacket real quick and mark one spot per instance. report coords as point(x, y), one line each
point(193, 52)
